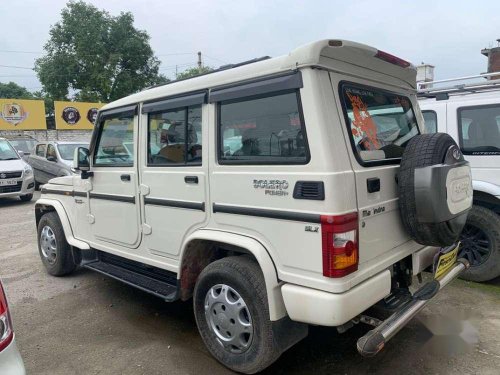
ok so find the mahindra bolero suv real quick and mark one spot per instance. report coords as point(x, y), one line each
point(274, 193)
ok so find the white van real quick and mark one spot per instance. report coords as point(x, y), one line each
point(275, 193)
point(470, 113)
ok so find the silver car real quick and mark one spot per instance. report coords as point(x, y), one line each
point(53, 159)
point(16, 176)
point(11, 362)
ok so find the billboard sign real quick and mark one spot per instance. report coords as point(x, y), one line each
point(22, 114)
point(76, 115)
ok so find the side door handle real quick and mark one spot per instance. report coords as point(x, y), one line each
point(373, 184)
point(191, 179)
point(125, 177)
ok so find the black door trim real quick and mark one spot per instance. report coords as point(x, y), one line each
point(272, 214)
point(200, 206)
point(112, 197)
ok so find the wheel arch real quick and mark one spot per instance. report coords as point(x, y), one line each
point(487, 195)
point(205, 246)
point(44, 205)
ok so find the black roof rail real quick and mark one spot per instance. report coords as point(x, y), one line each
point(219, 69)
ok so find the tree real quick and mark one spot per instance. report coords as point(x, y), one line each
point(93, 56)
point(192, 72)
point(12, 90)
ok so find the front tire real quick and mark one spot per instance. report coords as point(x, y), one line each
point(481, 244)
point(55, 252)
point(232, 314)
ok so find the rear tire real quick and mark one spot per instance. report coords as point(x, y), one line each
point(26, 198)
point(55, 252)
point(481, 245)
point(239, 309)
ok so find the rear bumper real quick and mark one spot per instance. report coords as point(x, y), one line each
point(375, 340)
point(11, 362)
point(330, 309)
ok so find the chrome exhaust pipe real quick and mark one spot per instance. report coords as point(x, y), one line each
point(374, 341)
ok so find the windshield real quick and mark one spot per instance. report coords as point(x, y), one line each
point(67, 151)
point(380, 123)
point(25, 145)
point(7, 152)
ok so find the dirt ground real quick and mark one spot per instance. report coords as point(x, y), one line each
point(89, 324)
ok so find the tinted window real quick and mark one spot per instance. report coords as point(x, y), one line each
point(380, 123)
point(40, 150)
point(430, 119)
point(115, 142)
point(51, 151)
point(262, 130)
point(479, 130)
point(175, 136)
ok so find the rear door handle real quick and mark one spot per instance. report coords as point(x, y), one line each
point(125, 177)
point(373, 184)
point(191, 179)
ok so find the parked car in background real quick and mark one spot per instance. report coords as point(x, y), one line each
point(53, 159)
point(24, 143)
point(16, 176)
point(11, 362)
point(470, 113)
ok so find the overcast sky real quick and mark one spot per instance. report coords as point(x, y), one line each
point(448, 34)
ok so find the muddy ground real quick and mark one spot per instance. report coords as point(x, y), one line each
point(89, 324)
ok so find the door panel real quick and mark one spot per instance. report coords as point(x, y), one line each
point(173, 177)
point(380, 229)
point(114, 207)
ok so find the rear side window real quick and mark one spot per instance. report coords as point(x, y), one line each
point(479, 130)
point(380, 123)
point(430, 120)
point(175, 137)
point(263, 130)
point(40, 150)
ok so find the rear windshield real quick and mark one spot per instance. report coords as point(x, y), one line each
point(380, 123)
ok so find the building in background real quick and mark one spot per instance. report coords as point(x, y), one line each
point(493, 55)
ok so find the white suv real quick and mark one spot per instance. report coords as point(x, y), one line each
point(275, 193)
point(470, 113)
point(16, 176)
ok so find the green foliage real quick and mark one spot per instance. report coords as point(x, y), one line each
point(14, 91)
point(194, 72)
point(93, 56)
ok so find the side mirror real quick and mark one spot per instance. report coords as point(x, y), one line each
point(51, 158)
point(81, 159)
point(20, 153)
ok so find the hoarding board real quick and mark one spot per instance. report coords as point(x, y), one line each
point(76, 115)
point(22, 114)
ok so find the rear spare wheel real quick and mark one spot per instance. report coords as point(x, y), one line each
point(435, 189)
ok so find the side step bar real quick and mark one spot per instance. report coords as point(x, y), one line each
point(374, 341)
point(153, 280)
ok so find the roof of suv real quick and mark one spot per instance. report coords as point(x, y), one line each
point(318, 53)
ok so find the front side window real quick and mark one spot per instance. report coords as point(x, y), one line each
point(265, 130)
point(175, 137)
point(115, 141)
point(380, 123)
point(430, 121)
point(40, 150)
point(479, 130)
point(7, 152)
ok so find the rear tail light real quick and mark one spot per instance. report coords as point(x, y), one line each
point(6, 332)
point(339, 244)
point(387, 57)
